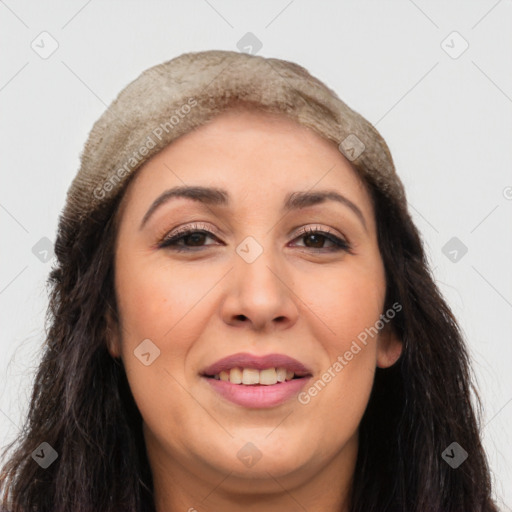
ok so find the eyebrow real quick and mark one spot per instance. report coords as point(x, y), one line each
point(219, 197)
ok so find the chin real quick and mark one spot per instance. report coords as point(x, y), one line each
point(264, 461)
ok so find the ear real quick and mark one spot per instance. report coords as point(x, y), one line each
point(389, 347)
point(113, 340)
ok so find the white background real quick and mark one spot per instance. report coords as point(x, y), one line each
point(446, 120)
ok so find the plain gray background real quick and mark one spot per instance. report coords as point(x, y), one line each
point(444, 110)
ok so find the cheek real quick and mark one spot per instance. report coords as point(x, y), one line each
point(155, 300)
point(349, 304)
point(163, 305)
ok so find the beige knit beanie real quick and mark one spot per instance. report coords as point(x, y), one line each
point(171, 99)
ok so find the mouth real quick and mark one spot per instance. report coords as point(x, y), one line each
point(257, 381)
point(247, 369)
point(255, 377)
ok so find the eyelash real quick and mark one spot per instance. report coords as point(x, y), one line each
point(170, 242)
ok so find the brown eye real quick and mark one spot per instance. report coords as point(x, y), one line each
point(190, 238)
point(315, 239)
point(196, 238)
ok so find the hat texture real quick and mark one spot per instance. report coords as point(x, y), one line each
point(171, 99)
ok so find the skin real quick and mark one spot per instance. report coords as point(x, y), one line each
point(297, 298)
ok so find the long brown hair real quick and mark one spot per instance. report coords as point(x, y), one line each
point(81, 404)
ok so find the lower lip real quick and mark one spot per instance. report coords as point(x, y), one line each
point(258, 396)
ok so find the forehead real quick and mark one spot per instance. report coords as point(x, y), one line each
point(250, 153)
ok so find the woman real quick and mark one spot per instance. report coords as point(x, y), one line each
point(242, 315)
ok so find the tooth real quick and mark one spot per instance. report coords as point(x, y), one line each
point(281, 374)
point(268, 376)
point(250, 376)
point(235, 376)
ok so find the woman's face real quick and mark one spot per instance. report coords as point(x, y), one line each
point(251, 280)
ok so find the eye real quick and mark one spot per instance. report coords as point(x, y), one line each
point(192, 238)
point(316, 239)
point(191, 234)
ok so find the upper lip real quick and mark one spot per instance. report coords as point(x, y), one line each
point(245, 360)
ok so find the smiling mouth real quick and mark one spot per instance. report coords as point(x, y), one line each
point(255, 377)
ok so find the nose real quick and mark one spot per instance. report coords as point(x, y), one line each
point(260, 295)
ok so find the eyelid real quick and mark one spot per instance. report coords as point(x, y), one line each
point(327, 232)
point(333, 236)
point(317, 227)
point(198, 225)
point(206, 227)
